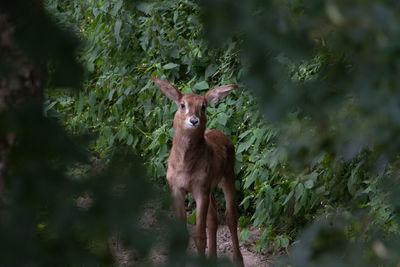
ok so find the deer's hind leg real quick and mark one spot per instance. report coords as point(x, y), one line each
point(228, 186)
point(212, 226)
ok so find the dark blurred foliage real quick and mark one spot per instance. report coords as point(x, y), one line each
point(324, 243)
point(352, 96)
point(39, 39)
point(41, 223)
point(321, 156)
point(327, 74)
point(49, 215)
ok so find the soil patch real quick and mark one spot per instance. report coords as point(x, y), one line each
point(159, 254)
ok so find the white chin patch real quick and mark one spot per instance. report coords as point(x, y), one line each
point(189, 125)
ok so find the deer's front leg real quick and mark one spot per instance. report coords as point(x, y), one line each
point(202, 202)
point(178, 203)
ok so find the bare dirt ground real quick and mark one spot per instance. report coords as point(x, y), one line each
point(159, 254)
point(251, 257)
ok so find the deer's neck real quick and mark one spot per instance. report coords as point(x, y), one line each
point(188, 144)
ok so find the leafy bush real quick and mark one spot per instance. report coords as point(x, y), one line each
point(325, 73)
point(124, 108)
point(288, 173)
point(124, 49)
point(49, 214)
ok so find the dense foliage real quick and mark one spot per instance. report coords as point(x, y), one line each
point(325, 154)
point(49, 215)
point(314, 123)
point(120, 103)
point(326, 72)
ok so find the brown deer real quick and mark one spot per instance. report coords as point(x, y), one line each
point(200, 160)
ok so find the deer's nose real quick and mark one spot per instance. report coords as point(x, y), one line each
point(194, 121)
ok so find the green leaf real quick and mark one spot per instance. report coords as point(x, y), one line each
point(312, 176)
point(244, 146)
point(117, 7)
point(117, 29)
point(107, 132)
point(170, 66)
point(120, 99)
point(144, 40)
point(299, 191)
point(129, 140)
point(95, 12)
point(277, 244)
point(244, 235)
point(259, 133)
point(288, 197)
point(304, 198)
point(210, 70)
point(242, 135)
point(284, 242)
point(352, 181)
point(100, 111)
point(250, 179)
point(122, 133)
point(162, 139)
point(245, 202)
point(110, 95)
point(192, 218)
point(222, 118)
point(41, 226)
point(201, 86)
point(92, 99)
point(309, 184)
point(128, 90)
point(144, 7)
point(176, 14)
point(50, 106)
point(160, 169)
point(80, 104)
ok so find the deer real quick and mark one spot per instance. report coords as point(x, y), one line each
point(199, 160)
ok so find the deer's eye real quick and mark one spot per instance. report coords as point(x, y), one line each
point(203, 107)
point(182, 105)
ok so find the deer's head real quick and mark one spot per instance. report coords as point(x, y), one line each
point(191, 113)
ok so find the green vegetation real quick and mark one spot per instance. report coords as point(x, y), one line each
point(314, 122)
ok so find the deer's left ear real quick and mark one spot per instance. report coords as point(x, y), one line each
point(168, 90)
point(218, 93)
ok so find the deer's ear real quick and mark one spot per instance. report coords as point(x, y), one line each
point(168, 89)
point(218, 93)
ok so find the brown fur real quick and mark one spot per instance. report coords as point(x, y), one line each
point(198, 161)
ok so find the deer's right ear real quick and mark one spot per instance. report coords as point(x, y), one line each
point(168, 89)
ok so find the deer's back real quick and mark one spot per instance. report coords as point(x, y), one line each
point(223, 150)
